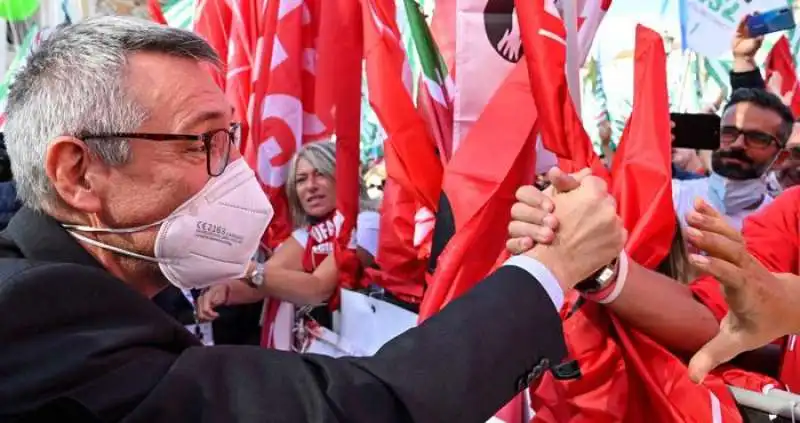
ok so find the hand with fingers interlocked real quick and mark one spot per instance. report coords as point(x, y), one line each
point(762, 305)
point(571, 227)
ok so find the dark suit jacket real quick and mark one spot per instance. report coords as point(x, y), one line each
point(236, 325)
point(79, 344)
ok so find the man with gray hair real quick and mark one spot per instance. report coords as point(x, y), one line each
point(123, 150)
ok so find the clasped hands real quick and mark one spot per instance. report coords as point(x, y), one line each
point(578, 207)
point(572, 228)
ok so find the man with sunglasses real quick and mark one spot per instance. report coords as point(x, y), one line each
point(755, 128)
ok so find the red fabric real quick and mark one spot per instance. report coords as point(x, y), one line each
point(156, 14)
point(642, 167)
point(414, 173)
point(214, 20)
point(438, 118)
point(482, 191)
point(321, 236)
point(544, 42)
point(780, 61)
point(409, 148)
point(627, 377)
point(708, 291)
point(772, 234)
point(400, 269)
point(775, 225)
point(434, 99)
point(443, 29)
point(348, 39)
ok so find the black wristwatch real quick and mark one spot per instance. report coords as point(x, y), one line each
point(599, 279)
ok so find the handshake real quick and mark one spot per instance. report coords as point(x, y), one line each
point(579, 207)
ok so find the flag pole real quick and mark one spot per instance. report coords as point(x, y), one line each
point(684, 79)
point(782, 404)
point(573, 55)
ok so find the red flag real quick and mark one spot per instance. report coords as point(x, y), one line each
point(782, 75)
point(213, 22)
point(402, 270)
point(269, 49)
point(434, 98)
point(414, 171)
point(627, 377)
point(544, 41)
point(642, 168)
point(417, 168)
point(347, 16)
point(479, 183)
point(156, 14)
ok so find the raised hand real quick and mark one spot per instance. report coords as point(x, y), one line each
point(744, 45)
point(762, 305)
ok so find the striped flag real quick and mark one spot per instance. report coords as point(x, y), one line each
point(488, 44)
point(389, 78)
point(435, 98)
point(156, 12)
point(781, 75)
point(180, 14)
point(413, 169)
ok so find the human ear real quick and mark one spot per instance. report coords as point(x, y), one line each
point(73, 171)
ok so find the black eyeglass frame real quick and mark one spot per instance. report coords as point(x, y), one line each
point(234, 133)
point(751, 138)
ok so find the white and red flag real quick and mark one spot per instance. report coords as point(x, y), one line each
point(488, 46)
point(782, 75)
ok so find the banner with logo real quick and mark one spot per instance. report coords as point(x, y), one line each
point(707, 26)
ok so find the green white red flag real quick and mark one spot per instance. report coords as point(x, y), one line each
point(413, 169)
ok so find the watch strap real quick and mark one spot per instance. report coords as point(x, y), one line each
point(599, 279)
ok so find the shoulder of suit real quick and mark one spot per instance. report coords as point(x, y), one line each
point(22, 280)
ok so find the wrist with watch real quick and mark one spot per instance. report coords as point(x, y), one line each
point(605, 285)
point(255, 279)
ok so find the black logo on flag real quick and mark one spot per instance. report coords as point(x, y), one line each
point(502, 29)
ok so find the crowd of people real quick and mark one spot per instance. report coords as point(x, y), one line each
point(134, 285)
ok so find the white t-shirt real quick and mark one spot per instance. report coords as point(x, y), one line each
point(367, 229)
point(684, 192)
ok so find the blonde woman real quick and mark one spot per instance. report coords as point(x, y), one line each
point(303, 271)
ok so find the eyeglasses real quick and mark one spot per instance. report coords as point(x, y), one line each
point(752, 139)
point(217, 143)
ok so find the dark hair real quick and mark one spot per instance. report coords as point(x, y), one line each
point(5, 166)
point(765, 100)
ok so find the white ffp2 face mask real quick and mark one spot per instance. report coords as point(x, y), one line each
point(211, 237)
point(731, 196)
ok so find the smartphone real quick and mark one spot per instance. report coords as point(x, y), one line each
point(771, 21)
point(695, 131)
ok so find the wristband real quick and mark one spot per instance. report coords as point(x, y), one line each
point(622, 276)
point(612, 291)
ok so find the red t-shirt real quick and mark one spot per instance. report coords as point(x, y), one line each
point(772, 236)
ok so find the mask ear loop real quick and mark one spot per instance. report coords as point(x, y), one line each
point(82, 228)
point(765, 175)
point(117, 249)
